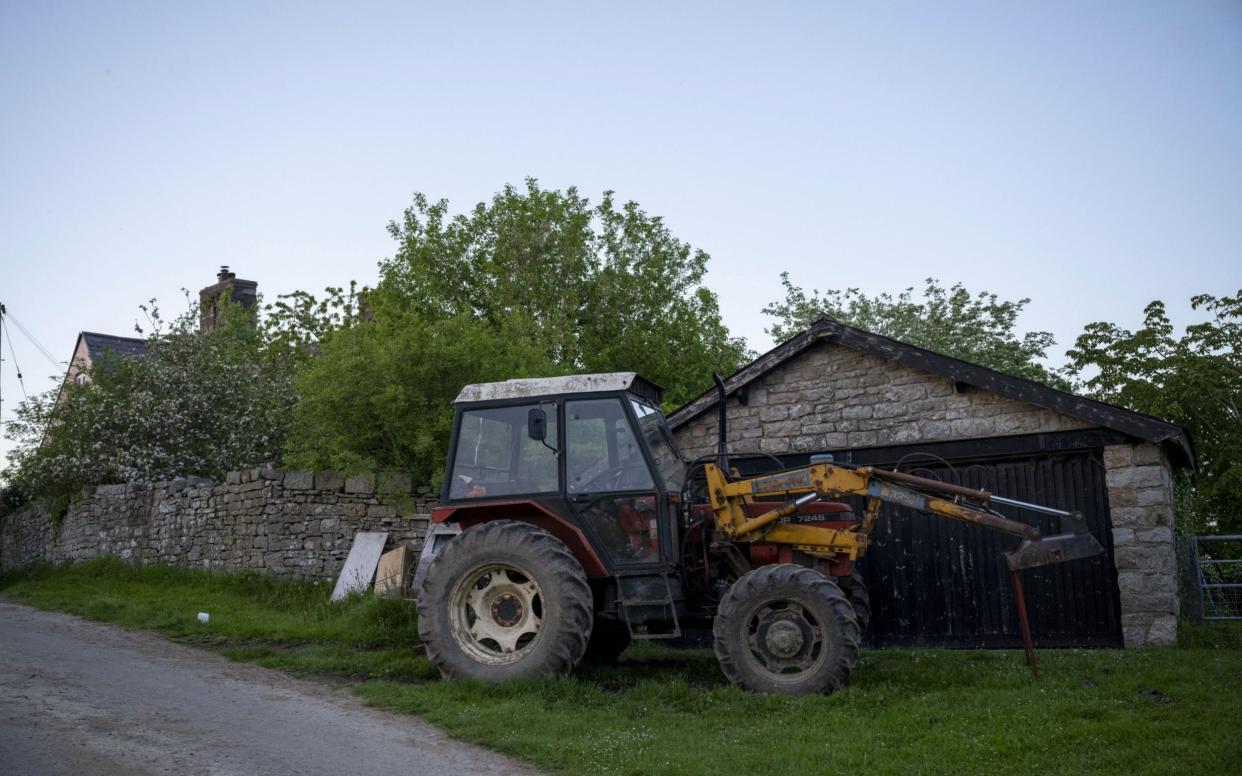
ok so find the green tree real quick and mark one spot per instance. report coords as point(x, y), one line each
point(533, 282)
point(1194, 380)
point(594, 287)
point(979, 328)
point(380, 393)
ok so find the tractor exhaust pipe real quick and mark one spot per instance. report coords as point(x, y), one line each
point(722, 447)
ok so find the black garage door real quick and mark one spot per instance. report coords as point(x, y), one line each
point(938, 582)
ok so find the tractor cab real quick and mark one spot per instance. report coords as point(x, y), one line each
point(590, 458)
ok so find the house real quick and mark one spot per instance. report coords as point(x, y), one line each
point(91, 346)
point(868, 399)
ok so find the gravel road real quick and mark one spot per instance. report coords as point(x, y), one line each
point(78, 697)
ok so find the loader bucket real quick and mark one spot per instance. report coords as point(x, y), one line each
point(1032, 553)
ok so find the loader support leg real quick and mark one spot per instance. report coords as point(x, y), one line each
point(1024, 622)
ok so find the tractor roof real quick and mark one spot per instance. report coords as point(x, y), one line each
point(533, 387)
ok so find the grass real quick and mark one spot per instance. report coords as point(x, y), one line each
point(670, 711)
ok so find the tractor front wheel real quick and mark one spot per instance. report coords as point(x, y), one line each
point(856, 590)
point(786, 629)
point(504, 600)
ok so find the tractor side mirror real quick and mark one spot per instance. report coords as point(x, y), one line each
point(537, 424)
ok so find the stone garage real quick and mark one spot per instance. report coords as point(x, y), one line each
point(868, 399)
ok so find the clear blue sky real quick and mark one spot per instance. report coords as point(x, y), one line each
point(1087, 155)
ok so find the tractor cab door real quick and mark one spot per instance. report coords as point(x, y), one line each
point(610, 484)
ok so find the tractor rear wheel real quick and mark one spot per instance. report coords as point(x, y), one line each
point(856, 591)
point(786, 629)
point(504, 600)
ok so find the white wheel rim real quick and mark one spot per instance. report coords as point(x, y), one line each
point(496, 611)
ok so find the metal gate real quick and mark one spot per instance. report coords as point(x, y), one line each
point(1218, 567)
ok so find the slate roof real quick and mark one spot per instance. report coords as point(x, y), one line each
point(97, 343)
point(825, 329)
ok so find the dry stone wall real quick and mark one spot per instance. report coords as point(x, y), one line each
point(298, 523)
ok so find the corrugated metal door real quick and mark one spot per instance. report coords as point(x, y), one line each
point(939, 582)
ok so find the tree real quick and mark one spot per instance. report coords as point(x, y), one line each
point(534, 282)
point(979, 328)
point(1194, 380)
point(594, 287)
point(197, 403)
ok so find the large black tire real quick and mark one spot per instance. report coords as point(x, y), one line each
point(505, 600)
point(786, 629)
point(609, 638)
point(856, 591)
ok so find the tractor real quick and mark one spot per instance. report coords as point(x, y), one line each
point(583, 528)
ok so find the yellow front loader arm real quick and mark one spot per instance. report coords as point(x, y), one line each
point(825, 481)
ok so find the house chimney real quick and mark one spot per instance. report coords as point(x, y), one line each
point(242, 292)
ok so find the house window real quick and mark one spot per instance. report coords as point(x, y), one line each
point(80, 379)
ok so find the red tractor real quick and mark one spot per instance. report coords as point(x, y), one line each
point(580, 533)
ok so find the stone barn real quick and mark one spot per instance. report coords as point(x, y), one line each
point(868, 399)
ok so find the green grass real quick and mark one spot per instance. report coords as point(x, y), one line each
point(669, 711)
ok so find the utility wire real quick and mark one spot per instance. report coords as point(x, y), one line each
point(46, 353)
point(13, 354)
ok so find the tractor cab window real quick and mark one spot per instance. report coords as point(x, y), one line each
point(660, 442)
point(603, 453)
point(496, 456)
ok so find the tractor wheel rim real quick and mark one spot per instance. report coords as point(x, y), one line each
point(496, 612)
point(784, 639)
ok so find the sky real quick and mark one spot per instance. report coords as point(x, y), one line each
point(1087, 156)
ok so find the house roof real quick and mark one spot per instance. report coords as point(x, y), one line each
point(97, 343)
point(825, 329)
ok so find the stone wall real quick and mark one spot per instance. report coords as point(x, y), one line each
point(833, 397)
point(1140, 502)
point(299, 523)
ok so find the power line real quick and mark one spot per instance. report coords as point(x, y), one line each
point(13, 353)
point(46, 353)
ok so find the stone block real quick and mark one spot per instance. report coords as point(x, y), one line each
point(233, 478)
point(857, 413)
point(299, 479)
point(360, 483)
point(1162, 632)
point(1148, 454)
point(1137, 477)
point(329, 480)
point(1161, 535)
point(1148, 497)
point(1120, 498)
point(770, 414)
point(1150, 558)
point(272, 474)
point(109, 490)
point(862, 439)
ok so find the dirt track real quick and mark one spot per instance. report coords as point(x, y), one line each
point(78, 697)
